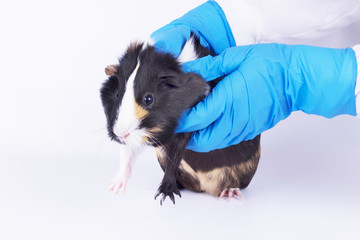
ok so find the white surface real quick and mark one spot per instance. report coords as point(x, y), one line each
point(56, 161)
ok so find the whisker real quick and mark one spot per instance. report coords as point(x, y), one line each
point(98, 131)
point(156, 141)
point(100, 147)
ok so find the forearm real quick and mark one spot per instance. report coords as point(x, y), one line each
point(284, 21)
point(321, 81)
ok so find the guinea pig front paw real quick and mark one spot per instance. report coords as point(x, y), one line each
point(168, 189)
point(119, 182)
point(231, 192)
point(116, 184)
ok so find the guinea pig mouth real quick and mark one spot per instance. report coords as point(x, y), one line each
point(122, 138)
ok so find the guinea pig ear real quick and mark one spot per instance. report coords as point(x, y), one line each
point(111, 70)
point(197, 84)
point(170, 79)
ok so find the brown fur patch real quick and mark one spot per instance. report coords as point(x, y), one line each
point(155, 129)
point(140, 112)
point(184, 166)
point(150, 134)
point(160, 153)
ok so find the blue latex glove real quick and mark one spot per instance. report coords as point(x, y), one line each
point(207, 21)
point(264, 84)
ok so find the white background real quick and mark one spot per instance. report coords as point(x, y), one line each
point(56, 160)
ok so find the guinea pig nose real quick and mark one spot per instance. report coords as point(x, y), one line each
point(126, 135)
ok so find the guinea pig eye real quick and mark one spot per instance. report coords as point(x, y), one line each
point(148, 99)
point(116, 95)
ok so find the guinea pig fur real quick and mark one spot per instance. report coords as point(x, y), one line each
point(143, 98)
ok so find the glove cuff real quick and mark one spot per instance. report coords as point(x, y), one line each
point(356, 48)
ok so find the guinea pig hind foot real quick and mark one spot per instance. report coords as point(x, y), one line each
point(231, 192)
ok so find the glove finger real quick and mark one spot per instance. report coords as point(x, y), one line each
point(211, 68)
point(217, 135)
point(172, 39)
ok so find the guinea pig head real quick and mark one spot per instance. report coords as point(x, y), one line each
point(146, 95)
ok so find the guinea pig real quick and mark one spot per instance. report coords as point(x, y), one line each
point(143, 99)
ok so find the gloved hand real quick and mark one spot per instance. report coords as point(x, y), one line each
point(264, 84)
point(207, 21)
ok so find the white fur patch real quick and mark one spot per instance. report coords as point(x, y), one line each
point(149, 42)
point(188, 52)
point(127, 124)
